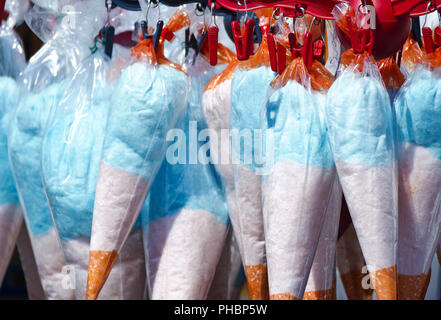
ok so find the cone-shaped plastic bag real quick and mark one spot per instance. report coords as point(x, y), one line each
point(71, 153)
point(360, 121)
point(298, 185)
point(148, 99)
point(418, 113)
point(352, 266)
point(216, 107)
point(321, 283)
point(249, 86)
point(186, 222)
point(43, 81)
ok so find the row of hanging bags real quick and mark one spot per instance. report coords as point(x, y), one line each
point(147, 101)
point(418, 120)
point(361, 130)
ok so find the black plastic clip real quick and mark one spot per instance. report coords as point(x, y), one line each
point(108, 36)
point(156, 35)
point(195, 44)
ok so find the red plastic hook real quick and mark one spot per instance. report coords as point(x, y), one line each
point(213, 40)
point(243, 42)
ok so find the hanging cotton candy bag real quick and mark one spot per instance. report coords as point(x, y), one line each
point(71, 153)
point(42, 84)
point(250, 81)
point(148, 99)
point(299, 182)
point(418, 110)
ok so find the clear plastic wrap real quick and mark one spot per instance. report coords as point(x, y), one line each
point(361, 130)
point(412, 55)
point(418, 113)
point(12, 56)
point(148, 99)
point(42, 84)
point(300, 191)
point(186, 221)
point(216, 109)
point(44, 22)
point(392, 76)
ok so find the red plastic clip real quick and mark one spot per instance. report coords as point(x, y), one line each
point(277, 54)
point(428, 40)
point(306, 51)
point(213, 34)
point(272, 51)
point(281, 58)
point(437, 37)
point(243, 42)
point(362, 40)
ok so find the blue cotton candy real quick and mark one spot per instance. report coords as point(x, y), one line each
point(190, 186)
point(9, 95)
point(300, 133)
point(70, 161)
point(72, 150)
point(248, 95)
point(145, 104)
point(359, 116)
point(418, 110)
point(26, 134)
